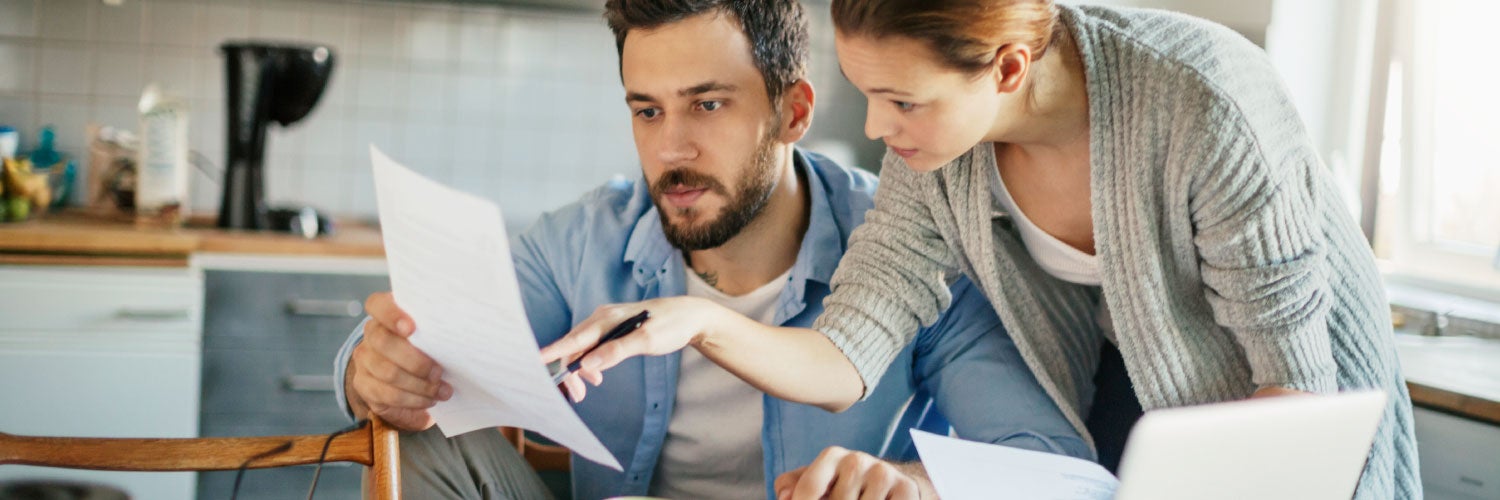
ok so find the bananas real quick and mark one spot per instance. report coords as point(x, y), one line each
point(19, 182)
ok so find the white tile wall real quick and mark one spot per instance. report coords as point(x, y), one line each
point(66, 67)
point(121, 24)
point(19, 77)
point(20, 19)
point(519, 105)
point(66, 19)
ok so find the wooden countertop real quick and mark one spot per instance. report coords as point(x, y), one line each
point(78, 237)
point(1459, 375)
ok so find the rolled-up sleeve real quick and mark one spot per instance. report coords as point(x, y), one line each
point(341, 367)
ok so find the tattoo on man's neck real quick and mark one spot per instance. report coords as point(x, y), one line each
point(710, 277)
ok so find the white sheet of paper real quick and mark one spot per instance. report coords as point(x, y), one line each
point(451, 270)
point(962, 470)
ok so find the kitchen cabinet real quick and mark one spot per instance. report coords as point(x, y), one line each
point(101, 351)
point(1460, 457)
point(1455, 387)
point(268, 350)
point(112, 329)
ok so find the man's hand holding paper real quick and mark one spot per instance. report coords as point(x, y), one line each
point(459, 351)
point(388, 375)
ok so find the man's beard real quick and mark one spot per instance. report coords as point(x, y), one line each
point(756, 183)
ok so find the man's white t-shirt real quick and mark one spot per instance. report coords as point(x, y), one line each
point(713, 445)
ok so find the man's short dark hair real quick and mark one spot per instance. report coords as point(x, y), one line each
point(777, 30)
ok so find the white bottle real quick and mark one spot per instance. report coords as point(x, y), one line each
point(161, 192)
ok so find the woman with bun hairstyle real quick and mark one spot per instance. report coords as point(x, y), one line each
point(1123, 176)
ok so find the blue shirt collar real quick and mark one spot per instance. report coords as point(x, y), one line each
point(822, 244)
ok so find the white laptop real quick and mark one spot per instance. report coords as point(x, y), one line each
point(1286, 448)
point(1296, 447)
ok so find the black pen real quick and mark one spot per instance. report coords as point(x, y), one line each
point(618, 331)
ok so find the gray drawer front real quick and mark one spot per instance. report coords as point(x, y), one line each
point(256, 310)
point(276, 424)
point(265, 357)
point(337, 481)
point(261, 357)
point(242, 381)
point(1460, 457)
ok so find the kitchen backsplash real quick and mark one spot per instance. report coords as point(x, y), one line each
point(522, 106)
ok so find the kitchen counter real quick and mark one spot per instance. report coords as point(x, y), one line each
point(1458, 375)
point(79, 237)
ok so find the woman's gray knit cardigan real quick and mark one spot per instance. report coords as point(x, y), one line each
point(1228, 260)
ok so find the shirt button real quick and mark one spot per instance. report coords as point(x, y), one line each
point(655, 405)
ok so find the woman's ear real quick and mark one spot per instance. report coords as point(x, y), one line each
point(1012, 62)
point(796, 111)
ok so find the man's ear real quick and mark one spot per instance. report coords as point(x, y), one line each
point(1012, 62)
point(796, 111)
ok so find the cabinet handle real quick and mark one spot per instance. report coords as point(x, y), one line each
point(309, 383)
point(153, 314)
point(324, 308)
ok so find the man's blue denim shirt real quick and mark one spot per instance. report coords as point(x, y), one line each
point(609, 248)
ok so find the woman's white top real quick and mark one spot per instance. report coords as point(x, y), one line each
point(1057, 258)
point(1054, 256)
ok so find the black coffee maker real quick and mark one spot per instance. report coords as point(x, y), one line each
point(266, 82)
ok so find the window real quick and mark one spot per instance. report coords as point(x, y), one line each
point(1439, 215)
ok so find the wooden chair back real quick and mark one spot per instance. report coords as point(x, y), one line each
point(542, 457)
point(374, 445)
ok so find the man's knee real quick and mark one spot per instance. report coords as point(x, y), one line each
point(479, 464)
point(430, 448)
